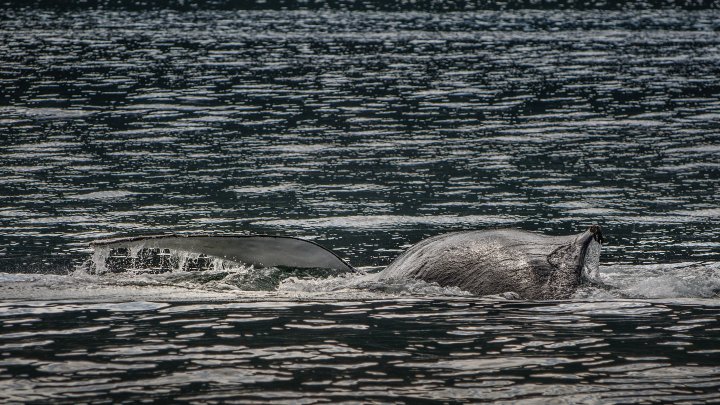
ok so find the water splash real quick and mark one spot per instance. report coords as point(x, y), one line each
point(673, 280)
point(144, 258)
point(368, 282)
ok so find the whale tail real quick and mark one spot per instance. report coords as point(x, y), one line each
point(153, 252)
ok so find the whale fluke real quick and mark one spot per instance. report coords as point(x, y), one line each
point(257, 250)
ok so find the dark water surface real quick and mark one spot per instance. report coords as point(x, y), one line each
point(373, 351)
point(365, 129)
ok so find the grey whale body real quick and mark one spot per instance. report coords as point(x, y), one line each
point(535, 266)
point(486, 262)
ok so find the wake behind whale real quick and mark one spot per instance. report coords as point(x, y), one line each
point(524, 264)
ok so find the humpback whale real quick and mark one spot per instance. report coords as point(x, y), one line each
point(484, 262)
point(534, 266)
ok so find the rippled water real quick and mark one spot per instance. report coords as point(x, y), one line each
point(364, 128)
point(371, 351)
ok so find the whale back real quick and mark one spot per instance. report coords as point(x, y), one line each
point(497, 261)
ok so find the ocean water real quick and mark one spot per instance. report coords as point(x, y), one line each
point(364, 126)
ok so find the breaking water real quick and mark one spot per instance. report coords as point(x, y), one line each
point(365, 127)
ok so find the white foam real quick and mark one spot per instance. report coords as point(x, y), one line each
point(368, 283)
point(674, 280)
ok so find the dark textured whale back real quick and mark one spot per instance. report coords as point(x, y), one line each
point(498, 261)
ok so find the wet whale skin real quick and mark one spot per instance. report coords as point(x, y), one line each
point(488, 262)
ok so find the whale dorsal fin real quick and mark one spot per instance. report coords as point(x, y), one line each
point(257, 250)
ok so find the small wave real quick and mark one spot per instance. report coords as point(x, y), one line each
point(104, 195)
